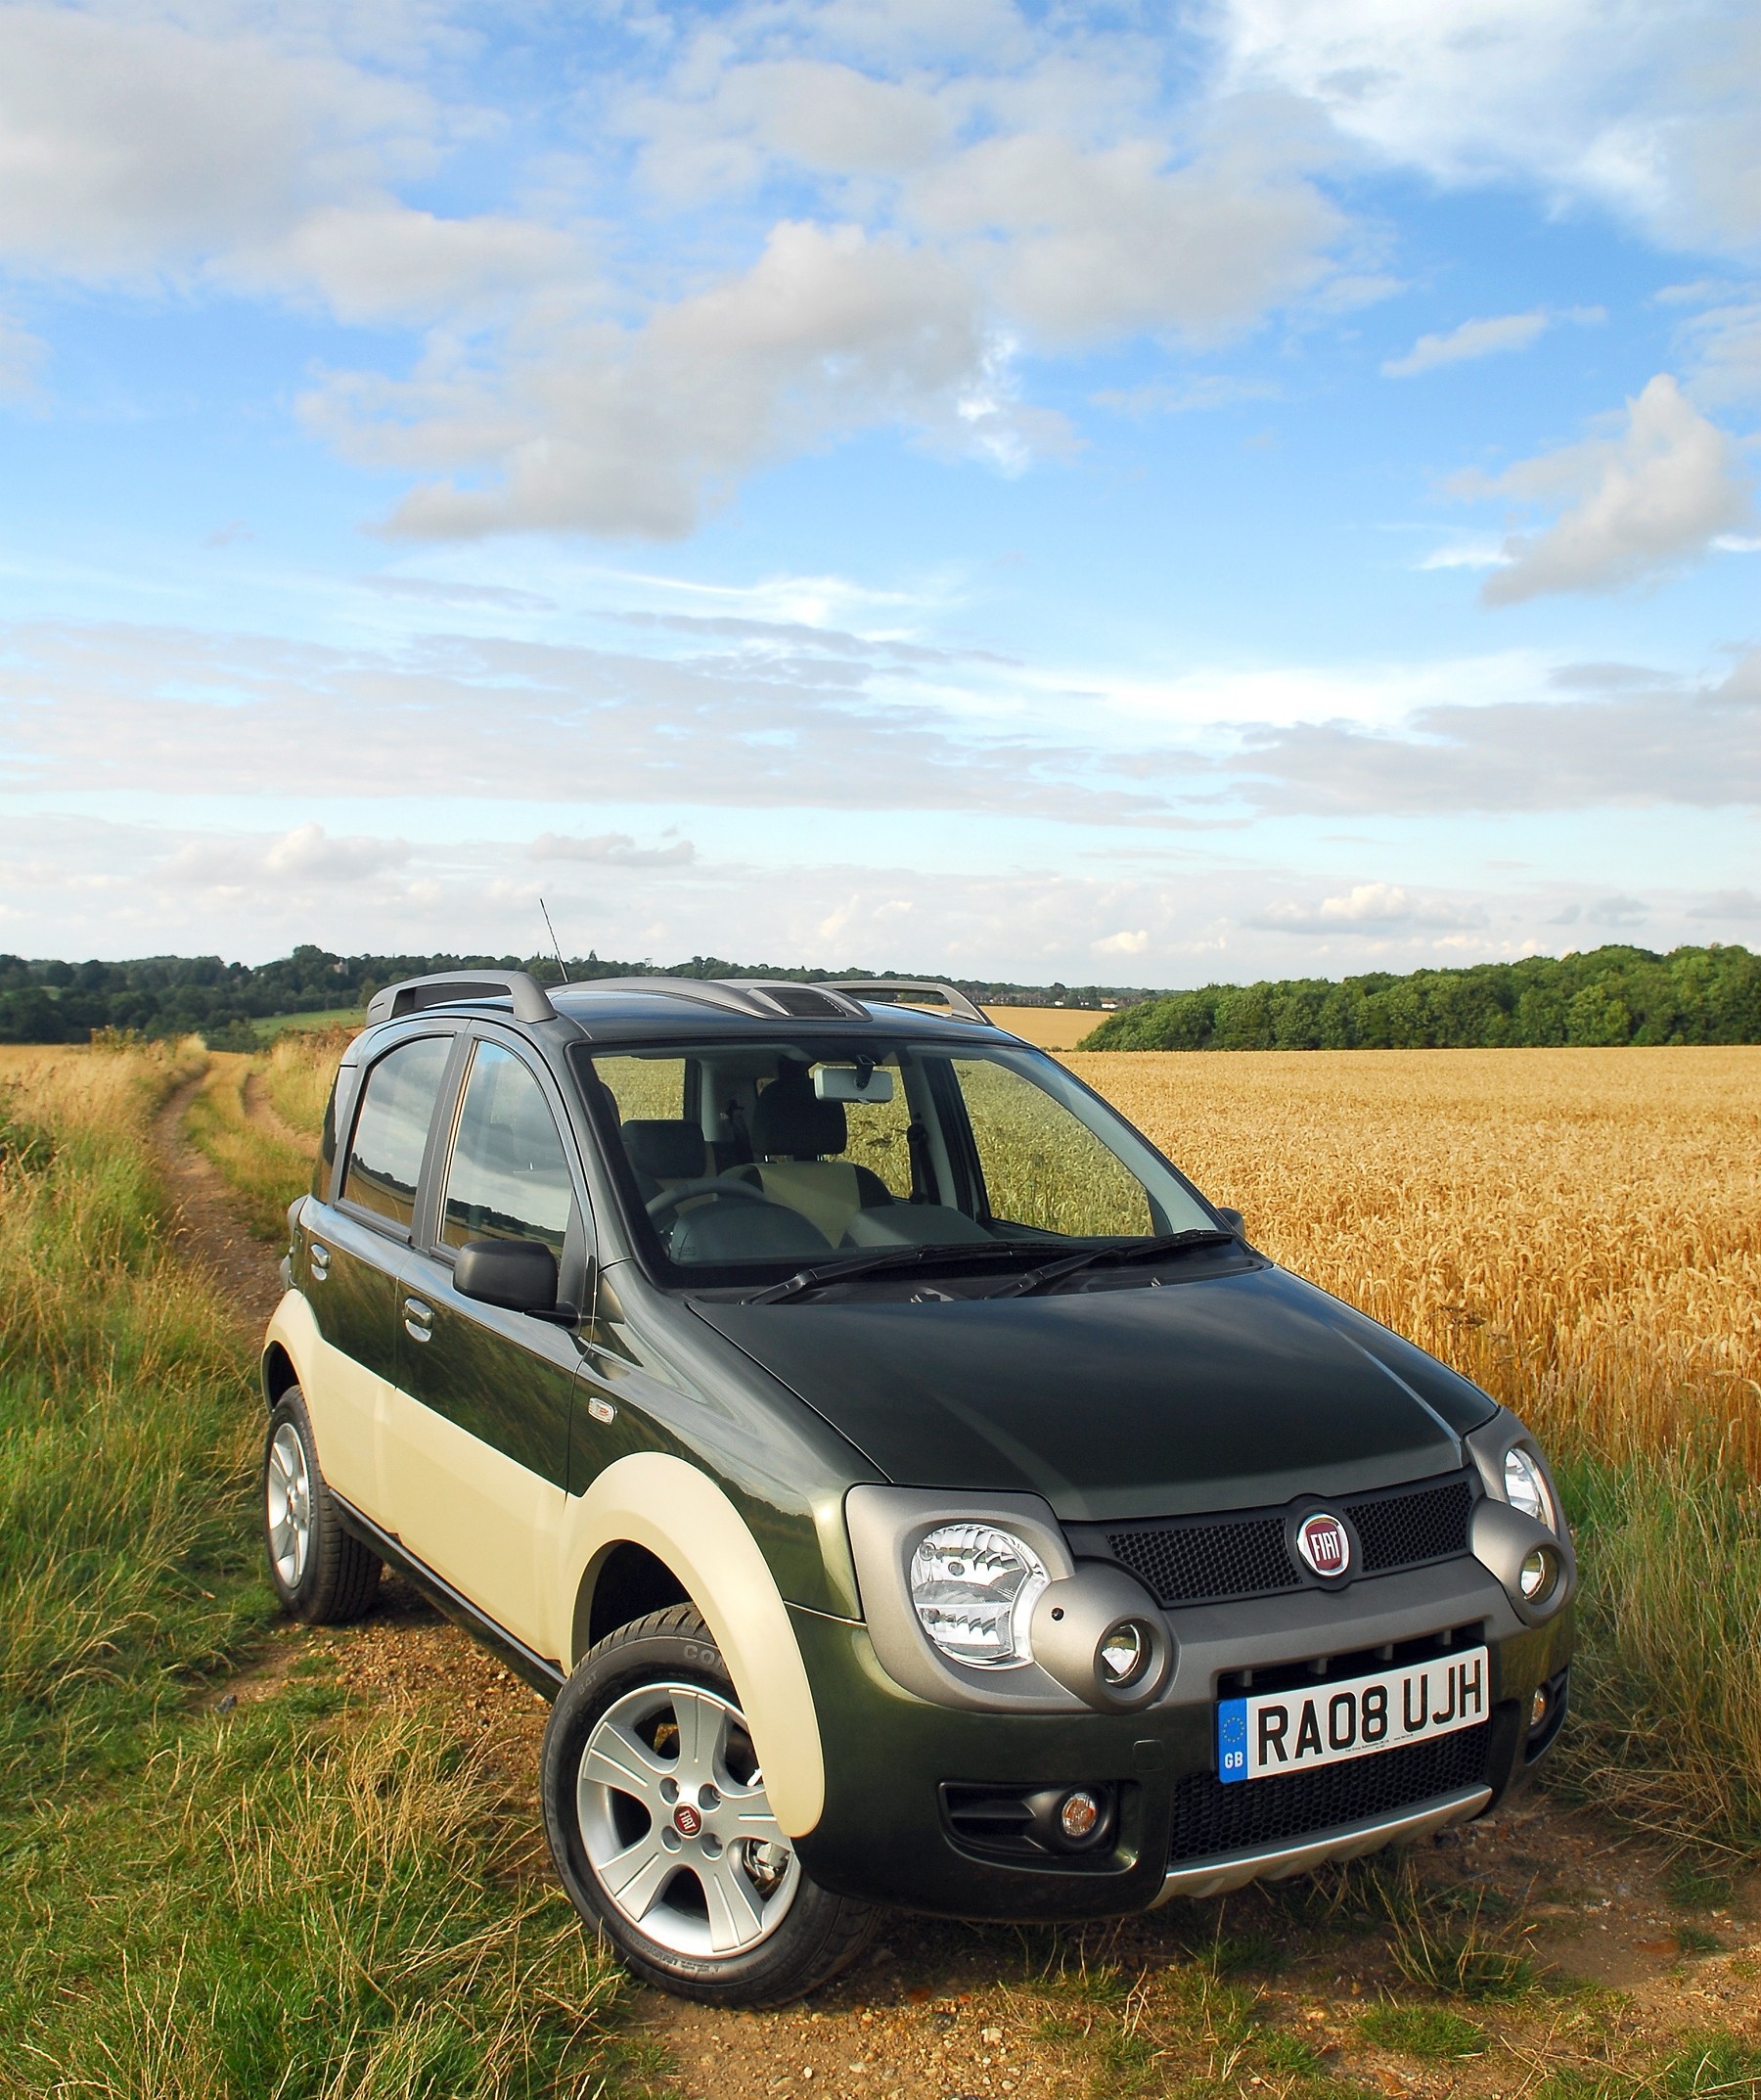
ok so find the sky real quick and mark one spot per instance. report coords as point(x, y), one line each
point(1140, 494)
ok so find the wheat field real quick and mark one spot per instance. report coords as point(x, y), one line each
point(1578, 1230)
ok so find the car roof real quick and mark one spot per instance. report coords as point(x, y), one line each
point(650, 1008)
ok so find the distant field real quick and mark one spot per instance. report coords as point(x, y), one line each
point(335, 1017)
point(1051, 1027)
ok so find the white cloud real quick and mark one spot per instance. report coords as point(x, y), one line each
point(133, 147)
point(613, 431)
point(1639, 505)
point(1648, 109)
point(1722, 345)
point(1370, 907)
point(1473, 339)
point(613, 848)
point(1122, 943)
point(298, 858)
point(1084, 245)
point(1468, 553)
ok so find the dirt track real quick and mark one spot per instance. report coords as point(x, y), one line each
point(941, 2011)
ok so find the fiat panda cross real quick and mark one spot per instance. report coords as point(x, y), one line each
point(908, 1489)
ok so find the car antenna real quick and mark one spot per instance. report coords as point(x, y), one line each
point(555, 944)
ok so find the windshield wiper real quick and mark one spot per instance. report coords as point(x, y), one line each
point(1167, 1243)
point(890, 1258)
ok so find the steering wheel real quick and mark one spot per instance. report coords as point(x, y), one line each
point(669, 1199)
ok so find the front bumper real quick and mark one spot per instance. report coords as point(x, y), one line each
point(892, 1758)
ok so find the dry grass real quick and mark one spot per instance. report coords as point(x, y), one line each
point(297, 1073)
point(265, 1158)
point(1579, 1231)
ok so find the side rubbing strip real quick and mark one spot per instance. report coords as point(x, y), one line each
point(683, 1518)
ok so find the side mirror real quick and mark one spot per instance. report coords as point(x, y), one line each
point(519, 1275)
point(1231, 1219)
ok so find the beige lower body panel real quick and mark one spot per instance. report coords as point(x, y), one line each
point(1349, 1840)
point(681, 1516)
point(348, 1403)
point(479, 1519)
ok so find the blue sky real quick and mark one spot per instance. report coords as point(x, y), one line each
point(1139, 494)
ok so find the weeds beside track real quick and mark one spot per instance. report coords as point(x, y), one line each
point(301, 1896)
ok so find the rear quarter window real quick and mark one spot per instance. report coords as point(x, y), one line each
point(391, 1128)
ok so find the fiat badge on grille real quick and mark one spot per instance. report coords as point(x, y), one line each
point(1322, 1541)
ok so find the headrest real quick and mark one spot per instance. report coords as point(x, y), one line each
point(792, 1122)
point(666, 1151)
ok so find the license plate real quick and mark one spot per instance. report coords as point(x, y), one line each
point(1265, 1733)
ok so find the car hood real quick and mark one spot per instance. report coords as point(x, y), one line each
point(1214, 1392)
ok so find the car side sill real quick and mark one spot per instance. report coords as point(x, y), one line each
point(1348, 1841)
point(539, 1671)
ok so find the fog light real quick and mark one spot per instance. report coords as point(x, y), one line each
point(1125, 1653)
point(1078, 1815)
point(1537, 1574)
point(1537, 1708)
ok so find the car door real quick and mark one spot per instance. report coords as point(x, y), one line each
point(354, 1251)
point(480, 1416)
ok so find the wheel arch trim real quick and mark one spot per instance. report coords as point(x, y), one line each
point(680, 1514)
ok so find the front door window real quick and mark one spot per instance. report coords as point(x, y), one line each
point(510, 1178)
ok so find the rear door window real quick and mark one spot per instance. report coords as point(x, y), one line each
point(392, 1129)
point(510, 1178)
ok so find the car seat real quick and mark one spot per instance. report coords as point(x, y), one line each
point(793, 1131)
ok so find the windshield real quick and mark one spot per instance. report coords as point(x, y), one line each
point(755, 1158)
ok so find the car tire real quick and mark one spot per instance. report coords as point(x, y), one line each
point(661, 1831)
point(320, 1573)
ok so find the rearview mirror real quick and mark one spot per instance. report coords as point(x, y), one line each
point(852, 1082)
point(519, 1275)
point(1233, 1220)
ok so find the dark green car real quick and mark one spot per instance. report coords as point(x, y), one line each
point(908, 1488)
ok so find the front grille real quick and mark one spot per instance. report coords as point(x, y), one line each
point(1260, 1814)
point(1401, 1530)
point(1210, 1560)
point(1201, 1560)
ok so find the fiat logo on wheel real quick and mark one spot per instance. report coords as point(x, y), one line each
point(1322, 1541)
point(686, 1820)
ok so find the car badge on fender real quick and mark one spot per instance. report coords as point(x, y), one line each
point(1322, 1541)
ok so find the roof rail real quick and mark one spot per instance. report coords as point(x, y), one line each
point(960, 1007)
point(760, 998)
point(448, 988)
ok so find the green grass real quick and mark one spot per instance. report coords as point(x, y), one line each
point(1666, 1689)
point(126, 1439)
point(1429, 2031)
point(303, 1897)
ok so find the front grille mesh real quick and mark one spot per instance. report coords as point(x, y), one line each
point(1182, 1564)
point(1399, 1530)
point(1255, 1815)
point(1195, 1559)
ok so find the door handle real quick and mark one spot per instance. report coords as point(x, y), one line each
point(318, 1261)
point(418, 1320)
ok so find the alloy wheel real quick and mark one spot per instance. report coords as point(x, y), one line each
point(288, 1484)
point(676, 1825)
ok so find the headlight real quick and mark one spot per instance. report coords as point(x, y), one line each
point(975, 1589)
point(1525, 1489)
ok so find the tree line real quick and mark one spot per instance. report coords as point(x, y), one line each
point(166, 995)
point(1604, 996)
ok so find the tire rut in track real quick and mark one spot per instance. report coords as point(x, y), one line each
point(208, 1226)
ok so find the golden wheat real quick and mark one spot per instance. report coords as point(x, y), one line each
point(1578, 1230)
